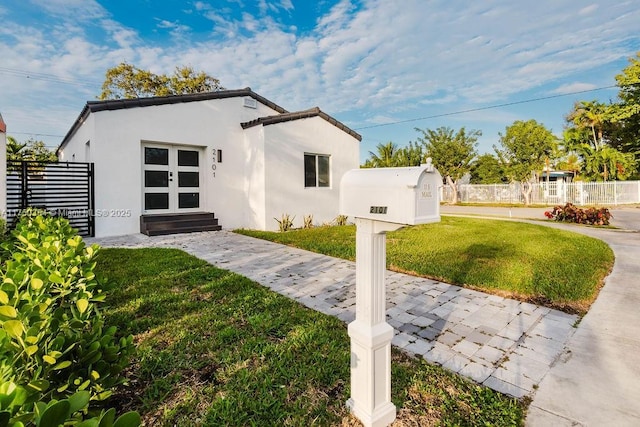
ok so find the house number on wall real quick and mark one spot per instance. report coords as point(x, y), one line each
point(216, 157)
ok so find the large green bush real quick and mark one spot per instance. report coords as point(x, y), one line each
point(53, 340)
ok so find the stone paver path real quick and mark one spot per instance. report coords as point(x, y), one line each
point(504, 344)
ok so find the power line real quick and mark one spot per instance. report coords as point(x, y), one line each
point(31, 134)
point(471, 110)
point(36, 134)
point(47, 77)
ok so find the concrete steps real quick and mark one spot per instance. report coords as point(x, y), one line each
point(162, 224)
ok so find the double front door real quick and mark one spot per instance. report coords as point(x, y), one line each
point(171, 179)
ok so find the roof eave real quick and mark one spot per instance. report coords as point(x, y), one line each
point(313, 112)
point(119, 104)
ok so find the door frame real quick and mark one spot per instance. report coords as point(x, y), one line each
point(173, 170)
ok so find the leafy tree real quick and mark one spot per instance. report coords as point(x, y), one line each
point(525, 146)
point(127, 81)
point(570, 162)
point(450, 152)
point(629, 94)
point(487, 169)
point(607, 163)
point(623, 131)
point(587, 136)
point(37, 151)
point(600, 134)
point(412, 155)
point(32, 150)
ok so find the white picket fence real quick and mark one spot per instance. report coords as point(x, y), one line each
point(611, 193)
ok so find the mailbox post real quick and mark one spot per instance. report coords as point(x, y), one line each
point(380, 200)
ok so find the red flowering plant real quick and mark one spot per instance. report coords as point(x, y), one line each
point(572, 213)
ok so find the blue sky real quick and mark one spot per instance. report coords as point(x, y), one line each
point(375, 65)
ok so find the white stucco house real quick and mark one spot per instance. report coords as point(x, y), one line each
point(232, 153)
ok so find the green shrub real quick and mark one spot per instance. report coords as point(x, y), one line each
point(53, 340)
point(69, 411)
point(572, 213)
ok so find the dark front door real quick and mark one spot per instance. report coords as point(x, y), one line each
point(171, 179)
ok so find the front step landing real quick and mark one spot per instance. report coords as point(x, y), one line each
point(161, 224)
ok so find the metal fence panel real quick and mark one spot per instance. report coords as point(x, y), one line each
point(65, 189)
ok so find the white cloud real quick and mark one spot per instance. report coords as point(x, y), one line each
point(382, 119)
point(286, 4)
point(72, 10)
point(178, 31)
point(249, 22)
point(266, 6)
point(367, 60)
point(588, 9)
point(574, 88)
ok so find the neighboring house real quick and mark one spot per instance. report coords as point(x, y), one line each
point(232, 153)
point(557, 176)
point(554, 183)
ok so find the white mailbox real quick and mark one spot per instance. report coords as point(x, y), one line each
point(380, 200)
point(408, 195)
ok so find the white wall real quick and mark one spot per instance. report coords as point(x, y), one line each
point(254, 180)
point(285, 146)
point(116, 137)
point(74, 150)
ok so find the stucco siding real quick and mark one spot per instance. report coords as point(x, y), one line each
point(247, 176)
point(116, 149)
point(76, 149)
point(253, 214)
point(285, 146)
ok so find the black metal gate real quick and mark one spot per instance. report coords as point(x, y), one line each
point(64, 189)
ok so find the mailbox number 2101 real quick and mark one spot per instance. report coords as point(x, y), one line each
point(378, 210)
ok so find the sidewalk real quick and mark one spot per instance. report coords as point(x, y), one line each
point(504, 344)
point(596, 382)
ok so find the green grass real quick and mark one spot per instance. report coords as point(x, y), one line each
point(214, 348)
point(526, 261)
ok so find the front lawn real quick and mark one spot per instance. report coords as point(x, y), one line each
point(214, 348)
point(530, 262)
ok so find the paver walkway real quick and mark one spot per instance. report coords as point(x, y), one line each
point(504, 344)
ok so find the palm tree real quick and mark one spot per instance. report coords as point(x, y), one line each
point(14, 149)
point(590, 114)
point(572, 164)
point(386, 157)
point(607, 163)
